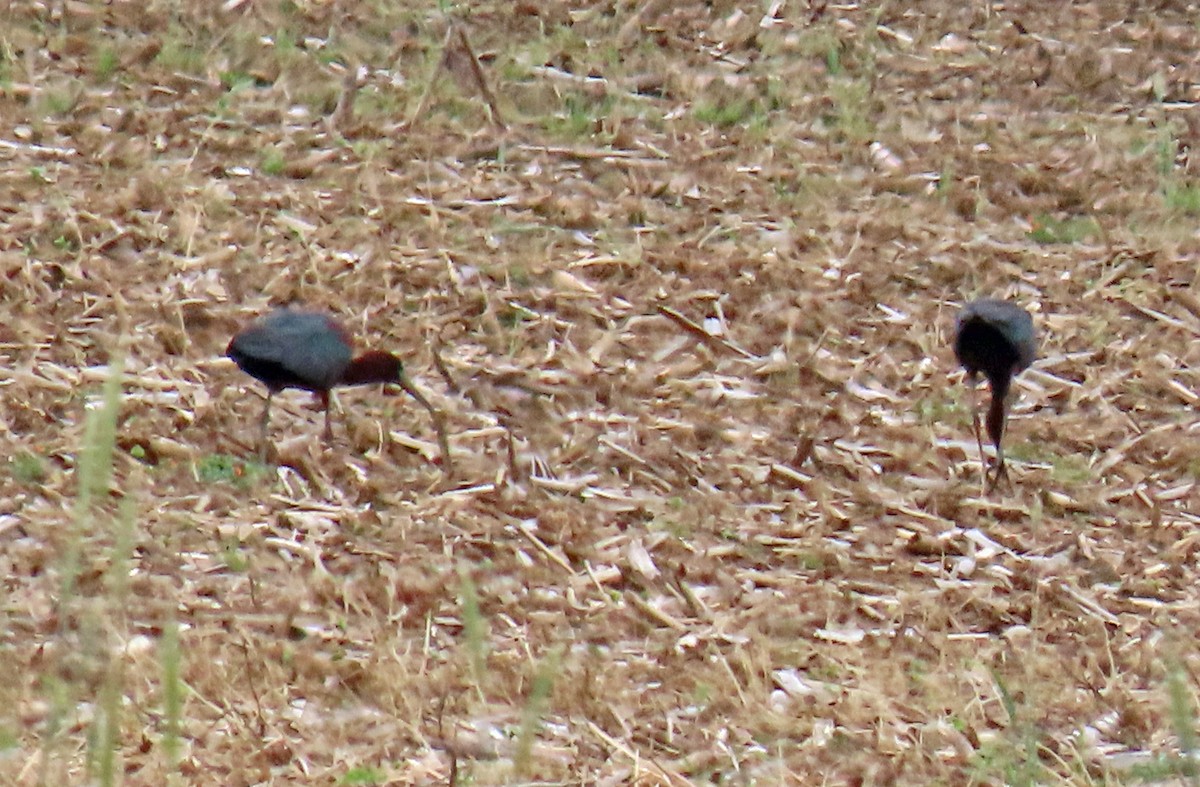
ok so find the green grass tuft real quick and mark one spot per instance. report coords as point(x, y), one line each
point(1049, 230)
point(273, 162)
point(363, 775)
point(27, 468)
point(535, 709)
point(475, 630)
point(226, 469)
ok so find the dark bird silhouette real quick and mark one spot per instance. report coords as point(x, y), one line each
point(293, 348)
point(996, 338)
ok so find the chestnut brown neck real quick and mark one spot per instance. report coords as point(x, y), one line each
point(373, 366)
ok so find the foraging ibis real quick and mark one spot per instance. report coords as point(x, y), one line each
point(296, 348)
point(996, 338)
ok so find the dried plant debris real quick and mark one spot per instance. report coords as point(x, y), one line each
point(679, 280)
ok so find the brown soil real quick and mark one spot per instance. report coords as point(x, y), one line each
point(716, 513)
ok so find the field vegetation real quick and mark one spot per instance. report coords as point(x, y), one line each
point(682, 278)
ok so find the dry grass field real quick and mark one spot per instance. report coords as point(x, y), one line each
point(682, 278)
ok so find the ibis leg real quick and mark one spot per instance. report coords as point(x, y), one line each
point(972, 382)
point(262, 428)
point(327, 401)
point(1000, 472)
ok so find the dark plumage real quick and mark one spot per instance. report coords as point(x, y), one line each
point(995, 338)
point(292, 348)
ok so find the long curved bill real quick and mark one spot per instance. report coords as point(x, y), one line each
point(439, 421)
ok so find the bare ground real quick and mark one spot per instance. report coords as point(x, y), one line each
point(716, 513)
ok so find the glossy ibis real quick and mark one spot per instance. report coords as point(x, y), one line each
point(996, 338)
point(294, 348)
